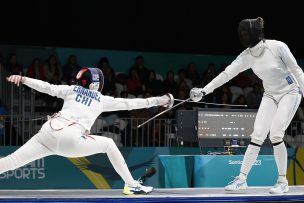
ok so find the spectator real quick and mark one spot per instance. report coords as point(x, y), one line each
point(104, 64)
point(70, 70)
point(109, 76)
point(141, 69)
point(254, 97)
point(209, 74)
point(242, 80)
point(36, 70)
point(169, 83)
point(109, 82)
point(52, 69)
point(225, 99)
point(121, 83)
point(12, 67)
point(240, 100)
point(134, 84)
point(192, 74)
point(153, 85)
point(224, 90)
point(183, 94)
point(183, 83)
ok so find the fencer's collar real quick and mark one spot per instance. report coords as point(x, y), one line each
point(258, 49)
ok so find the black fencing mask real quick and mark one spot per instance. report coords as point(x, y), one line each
point(251, 31)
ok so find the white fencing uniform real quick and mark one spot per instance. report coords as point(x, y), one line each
point(283, 81)
point(274, 64)
point(67, 133)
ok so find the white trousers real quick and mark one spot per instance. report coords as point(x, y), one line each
point(274, 115)
point(70, 141)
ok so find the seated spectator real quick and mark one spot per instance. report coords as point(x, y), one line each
point(153, 85)
point(70, 70)
point(169, 83)
point(139, 66)
point(104, 64)
point(134, 84)
point(224, 95)
point(109, 82)
point(121, 81)
point(12, 67)
point(192, 74)
point(183, 94)
point(51, 69)
point(225, 99)
point(242, 80)
point(183, 82)
point(209, 74)
point(109, 76)
point(240, 100)
point(223, 90)
point(36, 70)
point(254, 97)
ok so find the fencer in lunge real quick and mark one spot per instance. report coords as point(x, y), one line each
point(283, 80)
point(67, 132)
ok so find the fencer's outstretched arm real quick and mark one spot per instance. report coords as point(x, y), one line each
point(41, 86)
point(115, 104)
point(238, 65)
point(292, 64)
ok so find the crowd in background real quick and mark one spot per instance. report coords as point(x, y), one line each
point(141, 82)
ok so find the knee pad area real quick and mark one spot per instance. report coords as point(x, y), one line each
point(276, 140)
point(256, 142)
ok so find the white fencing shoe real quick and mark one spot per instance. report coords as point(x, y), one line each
point(280, 187)
point(237, 184)
point(136, 189)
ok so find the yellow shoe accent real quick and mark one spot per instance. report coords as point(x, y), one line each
point(127, 191)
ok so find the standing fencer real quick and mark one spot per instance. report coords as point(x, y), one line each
point(272, 62)
point(67, 132)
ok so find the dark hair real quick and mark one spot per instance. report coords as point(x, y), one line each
point(170, 71)
point(56, 64)
point(104, 59)
point(35, 59)
point(10, 56)
point(182, 71)
point(72, 56)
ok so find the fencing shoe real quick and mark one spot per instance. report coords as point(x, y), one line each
point(237, 184)
point(136, 189)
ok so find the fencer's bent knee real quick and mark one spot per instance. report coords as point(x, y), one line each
point(257, 141)
point(276, 139)
point(111, 145)
point(276, 136)
point(258, 136)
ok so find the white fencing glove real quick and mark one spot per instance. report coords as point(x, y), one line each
point(16, 79)
point(196, 94)
point(166, 100)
